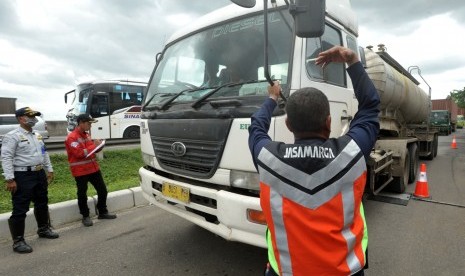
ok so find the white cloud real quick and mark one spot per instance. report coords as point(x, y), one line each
point(49, 46)
point(435, 47)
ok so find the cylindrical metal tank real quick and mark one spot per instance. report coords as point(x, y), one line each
point(397, 92)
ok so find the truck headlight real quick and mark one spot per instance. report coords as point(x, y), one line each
point(244, 180)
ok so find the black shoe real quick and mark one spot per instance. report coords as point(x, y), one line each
point(87, 222)
point(106, 216)
point(21, 247)
point(46, 232)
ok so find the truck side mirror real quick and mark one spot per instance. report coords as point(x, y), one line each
point(245, 3)
point(309, 17)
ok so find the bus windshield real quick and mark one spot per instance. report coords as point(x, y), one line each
point(229, 52)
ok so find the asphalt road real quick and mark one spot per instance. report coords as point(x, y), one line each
point(141, 241)
point(421, 238)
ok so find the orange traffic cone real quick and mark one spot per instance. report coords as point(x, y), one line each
point(421, 188)
point(454, 143)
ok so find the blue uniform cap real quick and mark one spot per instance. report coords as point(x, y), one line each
point(27, 111)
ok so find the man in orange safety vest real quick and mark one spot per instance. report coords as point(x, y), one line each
point(311, 190)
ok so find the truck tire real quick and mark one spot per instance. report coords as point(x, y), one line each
point(132, 132)
point(414, 155)
point(430, 156)
point(399, 183)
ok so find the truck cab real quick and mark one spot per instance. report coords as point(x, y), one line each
point(442, 120)
point(213, 75)
point(207, 83)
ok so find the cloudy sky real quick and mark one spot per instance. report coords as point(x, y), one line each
point(49, 46)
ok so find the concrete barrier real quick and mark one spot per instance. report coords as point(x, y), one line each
point(57, 128)
point(68, 212)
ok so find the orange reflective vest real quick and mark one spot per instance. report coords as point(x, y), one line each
point(311, 196)
point(78, 144)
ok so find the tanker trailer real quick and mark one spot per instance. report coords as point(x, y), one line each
point(405, 134)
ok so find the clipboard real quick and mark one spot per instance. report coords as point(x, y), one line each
point(96, 148)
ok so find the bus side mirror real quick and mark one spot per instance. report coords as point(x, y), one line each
point(309, 17)
point(66, 95)
point(245, 3)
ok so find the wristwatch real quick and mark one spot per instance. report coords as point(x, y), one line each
point(10, 180)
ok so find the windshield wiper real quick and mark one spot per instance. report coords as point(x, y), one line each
point(146, 103)
point(231, 84)
point(153, 96)
point(165, 104)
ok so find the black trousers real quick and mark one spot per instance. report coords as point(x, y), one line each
point(30, 186)
point(96, 180)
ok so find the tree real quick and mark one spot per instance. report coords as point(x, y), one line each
point(459, 97)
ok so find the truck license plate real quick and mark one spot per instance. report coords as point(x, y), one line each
point(175, 191)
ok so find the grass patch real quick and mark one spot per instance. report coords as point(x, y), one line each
point(119, 169)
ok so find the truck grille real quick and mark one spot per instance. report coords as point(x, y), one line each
point(200, 159)
point(203, 141)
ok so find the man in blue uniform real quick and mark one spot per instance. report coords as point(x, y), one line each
point(24, 158)
point(311, 190)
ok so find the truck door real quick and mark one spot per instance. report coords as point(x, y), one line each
point(331, 80)
point(100, 111)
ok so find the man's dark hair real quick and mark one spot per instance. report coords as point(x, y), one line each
point(307, 109)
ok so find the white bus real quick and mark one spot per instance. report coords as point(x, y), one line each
point(115, 104)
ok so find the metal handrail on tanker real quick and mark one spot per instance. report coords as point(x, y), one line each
point(410, 69)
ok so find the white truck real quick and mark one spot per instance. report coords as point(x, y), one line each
point(213, 75)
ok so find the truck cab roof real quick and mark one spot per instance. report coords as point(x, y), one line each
point(340, 11)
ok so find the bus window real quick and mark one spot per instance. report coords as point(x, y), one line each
point(99, 106)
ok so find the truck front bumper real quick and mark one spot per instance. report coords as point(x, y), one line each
point(230, 209)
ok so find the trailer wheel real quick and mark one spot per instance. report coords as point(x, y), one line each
point(414, 155)
point(399, 183)
point(132, 132)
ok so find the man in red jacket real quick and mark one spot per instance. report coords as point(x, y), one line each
point(84, 168)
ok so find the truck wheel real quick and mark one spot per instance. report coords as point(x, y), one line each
point(434, 149)
point(399, 183)
point(132, 132)
point(414, 155)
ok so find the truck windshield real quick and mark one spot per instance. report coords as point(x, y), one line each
point(229, 52)
point(440, 117)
